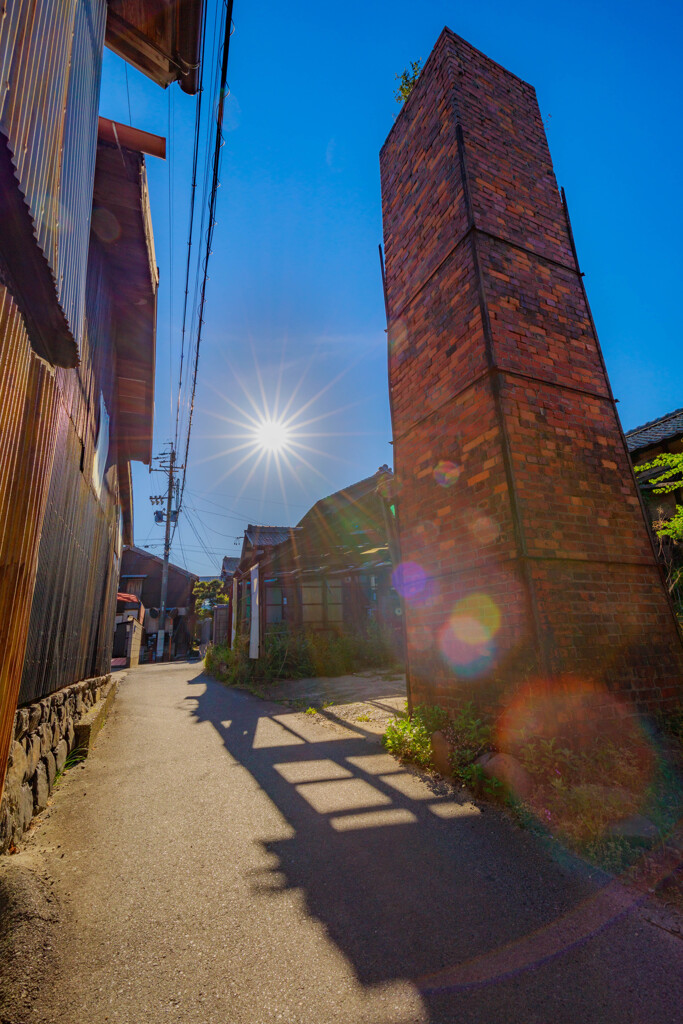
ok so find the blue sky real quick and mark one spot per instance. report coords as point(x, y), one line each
point(295, 293)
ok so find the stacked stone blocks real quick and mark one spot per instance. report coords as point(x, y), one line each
point(44, 734)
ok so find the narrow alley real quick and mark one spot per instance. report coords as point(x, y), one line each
point(223, 859)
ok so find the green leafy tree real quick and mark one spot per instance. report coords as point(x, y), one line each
point(670, 479)
point(207, 594)
point(670, 531)
point(406, 81)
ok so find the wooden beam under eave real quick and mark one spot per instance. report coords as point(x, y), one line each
point(127, 137)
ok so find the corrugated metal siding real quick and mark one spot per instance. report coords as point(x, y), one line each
point(50, 63)
point(97, 369)
point(78, 164)
point(28, 404)
point(74, 602)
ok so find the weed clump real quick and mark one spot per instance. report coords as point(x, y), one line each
point(409, 737)
point(578, 794)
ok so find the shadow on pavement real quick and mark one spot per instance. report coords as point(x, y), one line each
point(417, 885)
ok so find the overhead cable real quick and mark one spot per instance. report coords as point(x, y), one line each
point(218, 145)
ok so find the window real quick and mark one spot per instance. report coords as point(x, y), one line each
point(335, 608)
point(312, 604)
point(273, 604)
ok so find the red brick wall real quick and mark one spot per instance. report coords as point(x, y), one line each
point(527, 548)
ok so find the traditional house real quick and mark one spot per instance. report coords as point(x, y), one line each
point(258, 543)
point(331, 573)
point(228, 567)
point(128, 631)
point(104, 420)
point(141, 577)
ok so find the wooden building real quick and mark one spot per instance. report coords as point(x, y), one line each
point(141, 577)
point(78, 282)
point(331, 573)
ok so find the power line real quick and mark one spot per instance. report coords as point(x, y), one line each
point(193, 191)
point(203, 546)
point(209, 234)
point(219, 29)
point(130, 116)
point(199, 513)
point(171, 156)
point(182, 551)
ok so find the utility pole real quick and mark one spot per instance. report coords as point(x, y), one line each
point(158, 499)
point(167, 552)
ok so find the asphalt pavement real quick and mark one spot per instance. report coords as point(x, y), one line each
point(223, 859)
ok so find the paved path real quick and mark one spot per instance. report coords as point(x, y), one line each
point(370, 697)
point(221, 859)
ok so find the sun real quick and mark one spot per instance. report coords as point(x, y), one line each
point(272, 435)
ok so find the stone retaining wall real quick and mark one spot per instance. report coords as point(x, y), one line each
point(44, 735)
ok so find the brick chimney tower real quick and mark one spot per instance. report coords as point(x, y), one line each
point(525, 551)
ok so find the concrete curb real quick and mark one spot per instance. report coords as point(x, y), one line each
point(88, 728)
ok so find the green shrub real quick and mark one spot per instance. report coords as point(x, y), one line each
point(579, 793)
point(292, 654)
point(409, 738)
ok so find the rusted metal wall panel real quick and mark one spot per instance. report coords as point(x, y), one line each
point(74, 601)
point(28, 407)
point(50, 65)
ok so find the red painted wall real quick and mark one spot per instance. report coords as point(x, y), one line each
point(528, 553)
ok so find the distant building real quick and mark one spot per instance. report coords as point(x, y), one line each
point(330, 573)
point(228, 567)
point(141, 578)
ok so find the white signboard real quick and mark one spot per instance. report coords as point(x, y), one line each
point(255, 616)
point(233, 627)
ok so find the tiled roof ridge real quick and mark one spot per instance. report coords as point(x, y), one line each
point(654, 423)
point(264, 526)
point(157, 558)
point(367, 480)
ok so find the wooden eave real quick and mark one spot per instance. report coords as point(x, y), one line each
point(126, 499)
point(161, 38)
point(122, 228)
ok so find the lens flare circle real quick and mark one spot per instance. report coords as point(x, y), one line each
point(591, 760)
point(466, 640)
point(409, 580)
point(446, 473)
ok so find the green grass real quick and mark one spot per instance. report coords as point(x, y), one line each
point(74, 757)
